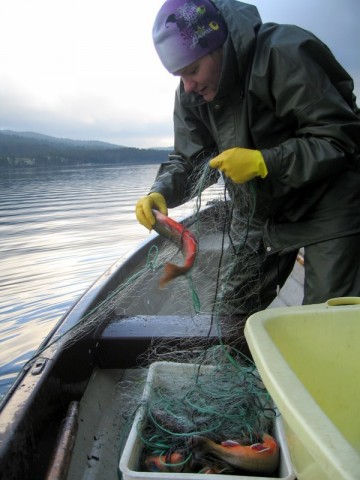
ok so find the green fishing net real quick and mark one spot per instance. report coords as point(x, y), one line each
point(220, 394)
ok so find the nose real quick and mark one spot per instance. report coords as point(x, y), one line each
point(189, 84)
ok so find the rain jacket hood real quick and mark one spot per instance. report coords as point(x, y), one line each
point(282, 92)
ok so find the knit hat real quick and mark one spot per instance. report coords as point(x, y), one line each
point(186, 30)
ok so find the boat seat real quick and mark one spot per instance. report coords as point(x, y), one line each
point(125, 338)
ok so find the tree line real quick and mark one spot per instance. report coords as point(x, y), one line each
point(36, 150)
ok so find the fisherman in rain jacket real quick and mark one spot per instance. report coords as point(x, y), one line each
point(283, 121)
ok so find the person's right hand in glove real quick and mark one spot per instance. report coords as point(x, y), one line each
point(144, 208)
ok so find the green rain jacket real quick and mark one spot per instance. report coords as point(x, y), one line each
point(281, 92)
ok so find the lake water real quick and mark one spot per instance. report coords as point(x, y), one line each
point(59, 230)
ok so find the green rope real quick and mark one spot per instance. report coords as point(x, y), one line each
point(194, 296)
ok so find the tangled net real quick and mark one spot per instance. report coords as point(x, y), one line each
point(202, 390)
point(210, 390)
point(207, 289)
point(220, 397)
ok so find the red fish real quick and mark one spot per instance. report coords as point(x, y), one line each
point(173, 462)
point(183, 238)
point(257, 458)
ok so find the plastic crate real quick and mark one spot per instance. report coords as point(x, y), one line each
point(130, 459)
point(309, 360)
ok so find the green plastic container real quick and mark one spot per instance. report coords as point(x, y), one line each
point(309, 360)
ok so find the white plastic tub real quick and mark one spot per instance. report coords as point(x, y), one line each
point(130, 459)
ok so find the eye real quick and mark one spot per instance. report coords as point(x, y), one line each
point(195, 68)
point(190, 73)
point(214, 25)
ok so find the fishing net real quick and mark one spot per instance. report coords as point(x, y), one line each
point(223, 253)
point(224, 280)
point(222, 397)
point(219, 397)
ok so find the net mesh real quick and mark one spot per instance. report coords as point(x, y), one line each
point(223, 396)
point(220, 396)
point(210, 288)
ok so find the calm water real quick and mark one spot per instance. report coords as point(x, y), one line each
point(59, 230)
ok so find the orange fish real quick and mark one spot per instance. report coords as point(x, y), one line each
point(173, 462)
point(183, 238)
point(257, 458)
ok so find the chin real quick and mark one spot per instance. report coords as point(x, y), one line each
point(209, 97)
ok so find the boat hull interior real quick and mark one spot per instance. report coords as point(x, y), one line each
point(66, 416)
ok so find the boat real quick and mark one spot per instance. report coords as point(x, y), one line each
point(63, 416)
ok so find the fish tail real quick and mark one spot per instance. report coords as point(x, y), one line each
point(172, 271)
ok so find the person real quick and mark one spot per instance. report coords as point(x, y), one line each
point(277, 113)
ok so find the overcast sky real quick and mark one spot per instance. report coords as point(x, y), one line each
point(86, 69)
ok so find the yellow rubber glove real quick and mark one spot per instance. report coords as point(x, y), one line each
point(240, 164)
point(144, 208)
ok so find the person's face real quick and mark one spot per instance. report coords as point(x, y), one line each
point(203, 76)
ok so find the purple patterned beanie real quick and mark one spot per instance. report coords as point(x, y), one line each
point(186, 30)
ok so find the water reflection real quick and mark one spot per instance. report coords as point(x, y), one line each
point(60, 229)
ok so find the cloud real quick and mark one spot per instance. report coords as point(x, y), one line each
point(88, 70)
point(84, 70)
point(85, 118)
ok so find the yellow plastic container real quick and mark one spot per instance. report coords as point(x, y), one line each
point(309, 360)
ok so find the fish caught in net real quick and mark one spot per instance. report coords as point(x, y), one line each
point(193, 411)
point(221, 398)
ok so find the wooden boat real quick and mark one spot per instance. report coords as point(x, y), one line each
point(63, 416)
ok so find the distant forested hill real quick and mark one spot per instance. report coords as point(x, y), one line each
point(22, 149)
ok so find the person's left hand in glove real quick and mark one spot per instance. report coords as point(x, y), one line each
point(240, 164)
